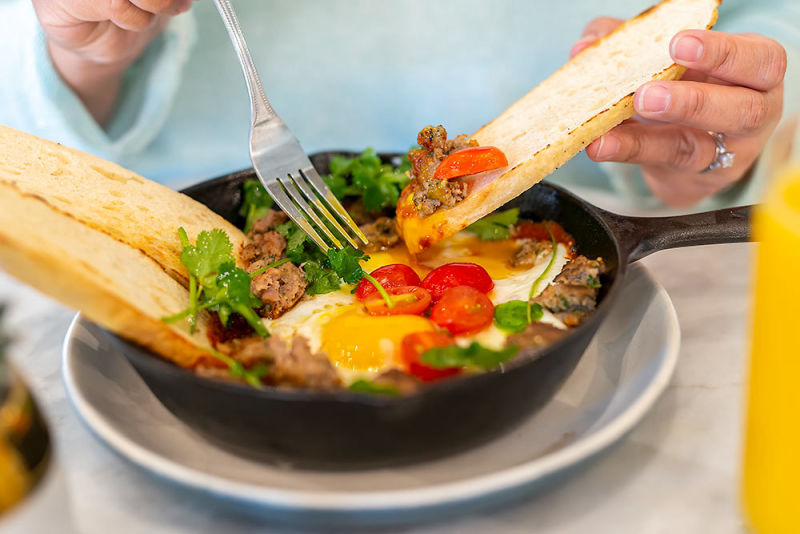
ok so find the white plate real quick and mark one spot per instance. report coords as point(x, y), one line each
point(622, 373)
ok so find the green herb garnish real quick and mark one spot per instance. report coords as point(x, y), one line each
point(256, 203)
point(593, 282)
point(377, 184)
point(251, 376)
point(495, 227)
point(512, 316)
point(541, 277)
point(215, 283)
point(475, 355)
point(367, 386)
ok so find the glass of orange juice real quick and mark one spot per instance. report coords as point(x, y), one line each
point(771, 476)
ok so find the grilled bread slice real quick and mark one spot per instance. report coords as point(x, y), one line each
point(589, 95)
point(108, 198)
point(113, 284)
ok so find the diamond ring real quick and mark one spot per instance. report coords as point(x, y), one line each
point(722, 158)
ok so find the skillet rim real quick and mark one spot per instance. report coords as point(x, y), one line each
point(155, 362)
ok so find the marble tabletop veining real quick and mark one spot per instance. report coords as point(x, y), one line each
point(677, 472)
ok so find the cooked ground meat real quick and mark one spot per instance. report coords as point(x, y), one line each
point(291, 366)
point(530, 252)
point(403, 382)
point(265, 248)
point(270, 222)
point(429, 193)
point(382, 234)
point(279, 288)
point(573, 293)
point(537, 335)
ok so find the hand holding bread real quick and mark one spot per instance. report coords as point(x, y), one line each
point(733, 86)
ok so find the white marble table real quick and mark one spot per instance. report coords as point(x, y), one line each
point(676, 473)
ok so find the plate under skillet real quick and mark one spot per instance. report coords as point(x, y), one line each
point(624, 370)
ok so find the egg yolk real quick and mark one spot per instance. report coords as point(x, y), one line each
point(494, 256)
point(359, 342)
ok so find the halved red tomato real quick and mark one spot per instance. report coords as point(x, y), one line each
point(470, 160)
point(450, 275)
point(414, 345)
point(463, 310)
point(538, 232)
point(408, 300)
point(389, 276)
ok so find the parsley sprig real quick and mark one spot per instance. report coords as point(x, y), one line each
point(495, 227)
point(215, 283)
point(366, 177)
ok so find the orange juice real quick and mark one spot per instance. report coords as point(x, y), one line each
point(771, 479)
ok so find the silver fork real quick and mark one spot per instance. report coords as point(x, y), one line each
point(281, 163)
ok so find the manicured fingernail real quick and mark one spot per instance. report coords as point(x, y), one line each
point(687, 48)
point(653, 98)
point(607, 148)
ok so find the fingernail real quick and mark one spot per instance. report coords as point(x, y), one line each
point(608, 147)
point(687, 48)
point(654, 98)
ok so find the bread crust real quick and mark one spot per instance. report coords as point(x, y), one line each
point(531, 164)
point(108, 281)
point(109, 198)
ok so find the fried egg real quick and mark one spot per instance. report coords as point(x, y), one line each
point(362, 346)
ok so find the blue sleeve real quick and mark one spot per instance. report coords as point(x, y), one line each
point(40, 103)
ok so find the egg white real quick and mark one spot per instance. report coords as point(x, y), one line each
point(312, 313)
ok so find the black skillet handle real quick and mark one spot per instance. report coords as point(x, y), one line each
point(641, 236)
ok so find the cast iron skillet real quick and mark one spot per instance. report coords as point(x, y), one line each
point(348, 430)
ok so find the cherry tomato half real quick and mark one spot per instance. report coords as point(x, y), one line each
point(450, 275)
point(538, 232)
point(414, 345)
point(470, 160)
point(408, 300)
point(389, 276)
point(463, 310)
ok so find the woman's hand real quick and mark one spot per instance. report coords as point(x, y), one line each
point(733, 85)
point(93, 42)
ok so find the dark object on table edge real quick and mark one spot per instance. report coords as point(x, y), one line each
point(343, 429)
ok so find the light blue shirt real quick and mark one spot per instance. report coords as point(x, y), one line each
point(344, 74)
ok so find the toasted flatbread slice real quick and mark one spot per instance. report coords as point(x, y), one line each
point(113, 284)
point(108, 198)
point(589, 95)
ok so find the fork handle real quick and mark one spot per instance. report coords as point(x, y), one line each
point(260, 108)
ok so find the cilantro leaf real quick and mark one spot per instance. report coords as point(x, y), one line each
point(256, 203)
point(320, 279)
point(366, 177)
point(367, 386)
point(495, 227)
point(345, 263)
point(215, 283)
point(475, 355)
point(512, 316)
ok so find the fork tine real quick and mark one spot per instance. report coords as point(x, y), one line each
point(301, 182)
point(286, 204)
point(311, 175)
point(289, 184)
